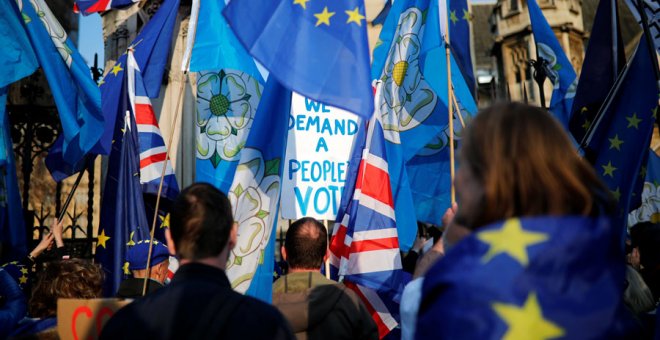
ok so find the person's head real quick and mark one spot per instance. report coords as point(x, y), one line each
point(516, 160)
point(67, 279)
point(201, 225)
point(306, 245)
point(137, 255)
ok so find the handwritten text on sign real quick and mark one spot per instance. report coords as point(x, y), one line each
point(317, 152)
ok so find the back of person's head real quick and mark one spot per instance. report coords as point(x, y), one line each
point(306, 244)
point(522, 163)
point(67, 279)
point(200, 222)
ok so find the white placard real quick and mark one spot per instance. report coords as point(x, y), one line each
point(317, 152)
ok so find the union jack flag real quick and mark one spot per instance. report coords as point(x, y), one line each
point(95, 6)
point(153, 152)
point(365, 244)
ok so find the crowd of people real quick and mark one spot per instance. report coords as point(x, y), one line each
point(529, 250)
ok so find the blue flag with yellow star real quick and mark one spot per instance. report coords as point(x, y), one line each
point(529, 278)
point(618, 144)
point(557, 66)
point(600, 68)
point(459, 34)
point(316, 48)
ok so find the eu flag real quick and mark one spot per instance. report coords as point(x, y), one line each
point(255, 194)
point(529, 278)
point(16, 54)
point(459, 34)
point(600, 68)
point(557, 66)
point(617, 146)
point(316, 48)
point(76, 95)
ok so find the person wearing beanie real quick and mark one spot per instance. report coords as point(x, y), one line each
point(136, 258)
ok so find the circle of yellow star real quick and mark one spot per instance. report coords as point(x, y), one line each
point(355, 16)
point(101, 82)
point(527, 321)
point(164, 221)
point(22, 280)
point(586, 124)
point(102, 239)
point(608, 170)
point(130, 241)
point(125, 267)
point(633, 121)
point(466, 15)
point(615, 143)
point(510, 239)
point(323, 17)
point(116, 69)
point(302, 3)
point(24, 270)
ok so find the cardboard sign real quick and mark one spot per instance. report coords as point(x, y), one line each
point(317, 152)
point(79, 319)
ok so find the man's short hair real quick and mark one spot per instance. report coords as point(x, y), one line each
point(200, 222)
point(306, 243)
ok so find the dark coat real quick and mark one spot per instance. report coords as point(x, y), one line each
point(199, 303)
point(318, 308)
point(132, 288)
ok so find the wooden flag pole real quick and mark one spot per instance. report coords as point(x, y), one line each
point(458, 111)
point(326, 223)
point(450, 107)
point(167, 158)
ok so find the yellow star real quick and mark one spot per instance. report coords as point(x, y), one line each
point(125, 267)
point(615, 143)
point(511, 239)
point(354, 16)
point(102, 239)
point(527, 321)
point(452, 17)
point(130, 240)
point(116, 69)
point(608, 170)
point(24, 270)
point(302, 3)
point(583, 110)
point(466, 15)
point(22, 280)
point(101, 82)
point(586, 124)
point(323, 17)
point(633, 121)
point(616, 193)
point(164, 221)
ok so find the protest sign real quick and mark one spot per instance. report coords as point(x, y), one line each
point(84, 319)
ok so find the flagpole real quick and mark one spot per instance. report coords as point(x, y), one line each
point(73, 191)
point(167, 158)
point(458, 111)
point(450, 107)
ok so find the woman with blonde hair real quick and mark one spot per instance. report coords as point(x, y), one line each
point(531, 252)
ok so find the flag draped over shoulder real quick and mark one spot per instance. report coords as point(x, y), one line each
point(365, 244)
point(557, 66)
point(255, 195)
point(459, 33)
point(229, 88)
point(94, 6)
point(526, 277)
point(620, 138)
point(138, 151)
point(76, 95)
point(599, 70)
point(649, 210)
point(316, 48)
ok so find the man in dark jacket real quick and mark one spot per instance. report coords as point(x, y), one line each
point(136, 256)
point(316, 307)
point(199, 302)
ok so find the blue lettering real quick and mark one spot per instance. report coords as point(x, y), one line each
point(327, 167)
point(352, 127)
point(310, 104)
point(341, 172)
point(311, 121)
point(300, 120)
point(292, 122)
point(316, 166)
point(333, 193)
point(326, 126)
point(321, 144)
point(293, 169)
point(302, 202)
point(340, 126)
point(318, 209)
point(323, 109)
point(305, 168)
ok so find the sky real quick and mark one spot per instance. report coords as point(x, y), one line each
point(90, 38)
